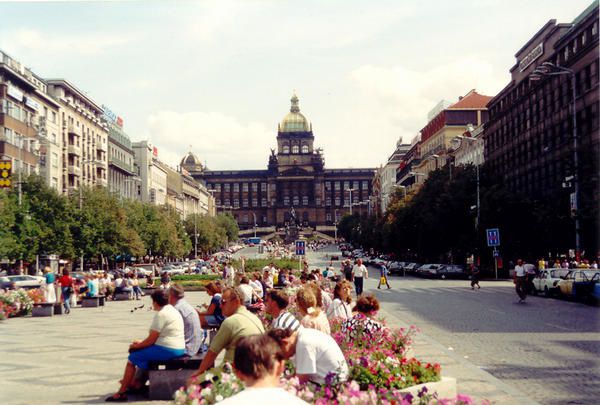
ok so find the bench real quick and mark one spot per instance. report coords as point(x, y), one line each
point(59, 309)
point(43, 309)
point(93, 302)
point(122, 296)
point(166, 377)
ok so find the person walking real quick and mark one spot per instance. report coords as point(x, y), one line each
point(474, 277)
point(520, 280)
point(66, 286)
point(347, 270)
point(50, 292)
point(360, 273)
point(383, 276)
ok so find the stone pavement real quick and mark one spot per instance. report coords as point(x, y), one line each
point(72, 359)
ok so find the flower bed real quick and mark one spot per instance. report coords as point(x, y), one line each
point(19, 302)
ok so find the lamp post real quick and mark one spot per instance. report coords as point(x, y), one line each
point(550, 69)
point(335, 223)
point(350, 190)
point(255, 224)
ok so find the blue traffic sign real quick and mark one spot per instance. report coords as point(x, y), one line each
point(300, 247)
point(493, 237)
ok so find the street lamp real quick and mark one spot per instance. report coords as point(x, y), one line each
point(255, 224)
point(550, 69)
point(350, 190)
point(468, 139)
point(335, 223)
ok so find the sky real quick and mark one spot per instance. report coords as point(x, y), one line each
point(216, 77)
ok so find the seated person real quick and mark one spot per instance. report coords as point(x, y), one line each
point(313, 316)
point(165, 281)
point(275, 304)
point(363, 325)
point(340, 306)
point(249, 295)
point(191, 320)
point(150, 281)
point(239, 322)
point(213, 316)
point(316, 355)
point(121, 285)
point(259, 363)
point(165, 341)
point(92, 286)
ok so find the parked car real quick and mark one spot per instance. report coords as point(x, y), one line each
point(6, 283)
point(24, 281)
point(579, 284)
point(147, 269)
point(453, 271)
point(411, 268)
point(395, 267)
point(172, 270)
point(429, 270)
point(547, 281)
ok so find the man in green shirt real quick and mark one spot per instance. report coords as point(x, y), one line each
point(239, 322)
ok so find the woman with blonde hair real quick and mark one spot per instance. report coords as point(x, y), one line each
point(313, 316)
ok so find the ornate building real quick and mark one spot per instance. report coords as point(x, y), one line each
point(295, 178)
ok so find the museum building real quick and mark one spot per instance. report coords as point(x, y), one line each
point(295, 180)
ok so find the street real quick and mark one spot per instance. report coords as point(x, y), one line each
point(548, 349)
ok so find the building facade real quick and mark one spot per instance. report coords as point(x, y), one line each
point(388, 174)
point(151, 172)
point(84, 137)
point(29, 123)
point(529, 139)
point(447, 123)
point(122, 178)
point(296, 186)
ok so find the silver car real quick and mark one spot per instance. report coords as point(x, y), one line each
point(24, 281)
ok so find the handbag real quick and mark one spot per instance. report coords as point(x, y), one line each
point(69, 290)
point(382, 280)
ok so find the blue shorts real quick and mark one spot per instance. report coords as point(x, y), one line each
point(212, 321)
point(141, 358)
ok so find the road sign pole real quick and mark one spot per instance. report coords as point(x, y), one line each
point(496, 262)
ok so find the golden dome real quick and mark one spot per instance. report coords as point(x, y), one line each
point(294, 121)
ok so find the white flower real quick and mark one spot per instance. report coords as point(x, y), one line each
point(219, 398)
point(208, 377)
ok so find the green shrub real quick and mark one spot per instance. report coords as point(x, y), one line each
point(253, 265)
point(196, 277)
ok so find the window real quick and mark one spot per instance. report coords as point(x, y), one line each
point(318, 202)
point(54, 159)
point(236, 187)
point(286, 149)
point(286, 200)
point(227, 202)
point(295, 149)
point(337, 186)
point(328, 217)
point(218, 201)
point(245, 218)
point(595, 28)
point(255, 202)
point(328, 185)
point(245, 203)
point(236, 203)
point(304, 148)
point(305, 200)
point(346, 185)
point(255, 187)
point(355, 185)
point(245, 187)
point(226, 187)
point(337, 201)
point(346, 202)
point(327, 202)
point(263, 202)
point(263, 186)
point(296, 200)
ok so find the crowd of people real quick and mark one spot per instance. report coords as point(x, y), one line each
point(294, 323)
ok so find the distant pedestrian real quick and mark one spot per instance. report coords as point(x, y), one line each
point(50, 292)
point(520, 280)
point(474, 277)
point(66, 284)
point(347, 270)
point(360, 273)
point(383, 276)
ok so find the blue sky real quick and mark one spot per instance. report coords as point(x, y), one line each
point(218, 75)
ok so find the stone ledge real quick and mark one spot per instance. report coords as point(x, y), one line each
point(445, 388)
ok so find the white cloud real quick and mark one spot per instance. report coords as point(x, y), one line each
point(32, 40)
point(221, 140)
point(393, 102)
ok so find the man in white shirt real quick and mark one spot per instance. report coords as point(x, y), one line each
point(317, 356)
point(520, 280)
point(259, 362)
point(360, 273)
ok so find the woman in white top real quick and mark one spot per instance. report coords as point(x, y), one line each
point(165, 341)
point(340, 306)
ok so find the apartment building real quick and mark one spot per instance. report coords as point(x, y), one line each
point(84, 137)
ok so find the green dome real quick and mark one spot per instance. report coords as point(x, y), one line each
point(294, 121)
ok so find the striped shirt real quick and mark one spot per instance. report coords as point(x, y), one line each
point(285, 320)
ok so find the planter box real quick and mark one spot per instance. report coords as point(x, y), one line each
point(90, 302)
point(124, 296)
point(59, 309)
point(46, 309)
point(445, 388)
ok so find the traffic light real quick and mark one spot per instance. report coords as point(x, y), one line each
point(5, 173)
